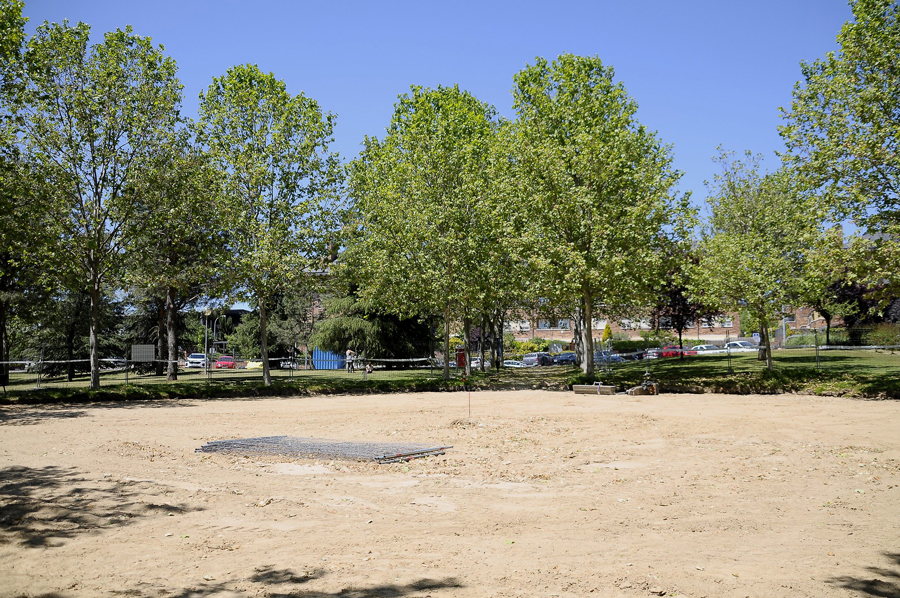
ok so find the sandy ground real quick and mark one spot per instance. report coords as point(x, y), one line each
point(543, 494)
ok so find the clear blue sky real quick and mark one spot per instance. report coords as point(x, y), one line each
point(704, 73)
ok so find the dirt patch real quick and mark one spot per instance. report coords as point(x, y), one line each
point(544, 494)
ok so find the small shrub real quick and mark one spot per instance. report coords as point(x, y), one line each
point(607, 333)
point(885, 334)
point(804, 339)
point(534, 345)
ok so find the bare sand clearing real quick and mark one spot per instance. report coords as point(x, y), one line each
point(543, 494)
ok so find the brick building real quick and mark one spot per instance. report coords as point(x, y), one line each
point(562, 329)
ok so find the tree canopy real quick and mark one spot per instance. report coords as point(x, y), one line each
point(423, 203)
point(599, 195)
point(842, 129)
point(279, 183)
point(93, 118)
point(756, 250)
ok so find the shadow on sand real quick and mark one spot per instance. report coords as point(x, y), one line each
point(884, 583)
point(45, 506)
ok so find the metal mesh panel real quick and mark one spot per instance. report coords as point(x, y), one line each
point(292, 446)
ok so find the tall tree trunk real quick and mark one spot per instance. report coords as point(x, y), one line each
point(579, 336)
point(496, 339)
point(95, 328)
point(447, 341)
point(4, 344)
point(680, 347)
point(467, 331)
point(587, 364)
point(160, 336)
point(171, 336)
point(263, 345)
point(764, 331)
point(484, 320)
point(828, 330)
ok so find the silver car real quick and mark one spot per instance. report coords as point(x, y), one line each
point(707, 349)
point(196, 360)
point(533, 359)
point(741, 347)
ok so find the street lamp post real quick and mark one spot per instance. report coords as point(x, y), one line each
point(206, 314)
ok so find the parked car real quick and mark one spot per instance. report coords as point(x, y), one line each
point(196, 360)
point(707, 349)
point(534, 359)
point(289, 364)
point(564, 359)
point(513, 363)
point(675, 351)
point(113, 363)
point(741, 347)
point(253, 364)
point(476, 363)
point(606, 356)
point(225, 362)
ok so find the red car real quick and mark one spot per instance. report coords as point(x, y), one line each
point(675, 351)
point(226, 361)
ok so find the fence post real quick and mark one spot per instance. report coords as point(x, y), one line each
point(40, 366)
point(728, 351)
point(818, 363)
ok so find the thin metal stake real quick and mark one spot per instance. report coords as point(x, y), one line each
point(818, 363)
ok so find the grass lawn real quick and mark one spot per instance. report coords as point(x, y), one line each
point(851, 372)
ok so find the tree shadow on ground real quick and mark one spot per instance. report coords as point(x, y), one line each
point(884, 584)
point(29, 416)
point(45, 506)
point(286, 583)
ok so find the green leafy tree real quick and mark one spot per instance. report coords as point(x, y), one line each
point(596, 183)
point(359, 324)
point(842, 133)
point(675, 304)
point(294, 318)
point(93, 117)
point(755, 251)
point(828, 285)
point(174, 240)
point(842, 128)
point(422, 202)
point(279, 184)
point(27, 216)
point(12, 40)
point(503, 277)
point(56, 332)
point(245, 339)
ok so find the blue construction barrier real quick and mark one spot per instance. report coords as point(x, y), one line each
point(326, 360)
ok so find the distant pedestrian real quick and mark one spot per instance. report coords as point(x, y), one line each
point(351, 356)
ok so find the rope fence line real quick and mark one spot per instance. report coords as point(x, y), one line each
point(26, 374)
